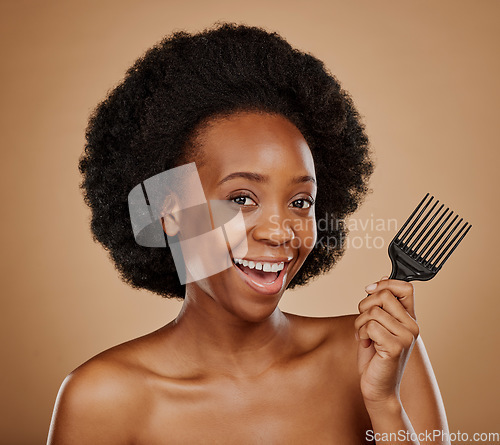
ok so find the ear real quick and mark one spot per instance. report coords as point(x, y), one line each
point(170, 215)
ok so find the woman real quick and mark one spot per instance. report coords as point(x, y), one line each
point(271, 132)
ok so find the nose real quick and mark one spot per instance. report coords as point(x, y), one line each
point(274, 227)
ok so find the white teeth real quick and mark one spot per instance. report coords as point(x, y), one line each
point(266, 267)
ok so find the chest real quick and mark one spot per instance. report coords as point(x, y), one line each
point(293, 406)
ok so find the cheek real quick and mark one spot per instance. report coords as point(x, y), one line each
point(305, 235)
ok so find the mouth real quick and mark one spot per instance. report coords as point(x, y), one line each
point(264, 278)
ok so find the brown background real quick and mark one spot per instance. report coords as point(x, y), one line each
point(424, 75)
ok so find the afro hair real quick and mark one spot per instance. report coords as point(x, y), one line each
point(150, 121)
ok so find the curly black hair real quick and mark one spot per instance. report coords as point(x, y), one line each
point(151, 121)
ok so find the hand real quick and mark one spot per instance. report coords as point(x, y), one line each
point(386, 330)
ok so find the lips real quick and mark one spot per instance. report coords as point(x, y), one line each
point(259, 275)
point(267, 283)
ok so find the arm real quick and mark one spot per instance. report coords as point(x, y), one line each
point(387, 334)
point(423, 411)
point(91, 408)
point(420, 394)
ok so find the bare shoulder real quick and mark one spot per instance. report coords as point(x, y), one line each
point(340, 326)
point(97, 402)
point(336, 333)
point(335, 363)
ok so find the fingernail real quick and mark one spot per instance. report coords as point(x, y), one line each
point(371, 287)
point(356, 335)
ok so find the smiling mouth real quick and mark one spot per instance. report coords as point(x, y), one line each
point(259, 275)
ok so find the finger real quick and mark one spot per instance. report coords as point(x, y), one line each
point(385, 343)
point(387, 301)
point(403, 290)
point(385, 277)
point(393, 325)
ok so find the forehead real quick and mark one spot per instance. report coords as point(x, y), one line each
point(265, 143)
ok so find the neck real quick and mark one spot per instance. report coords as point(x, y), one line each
point(220, 341)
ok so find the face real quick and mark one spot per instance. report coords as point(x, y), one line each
point(261, 164)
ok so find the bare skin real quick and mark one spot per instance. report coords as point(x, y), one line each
point(232, 367)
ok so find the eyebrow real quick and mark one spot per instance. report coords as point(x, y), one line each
point(256, 177)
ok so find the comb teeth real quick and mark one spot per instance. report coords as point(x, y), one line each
point(423, 238)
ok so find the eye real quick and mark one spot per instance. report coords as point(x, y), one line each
point(304, 203)
point(241, 199)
